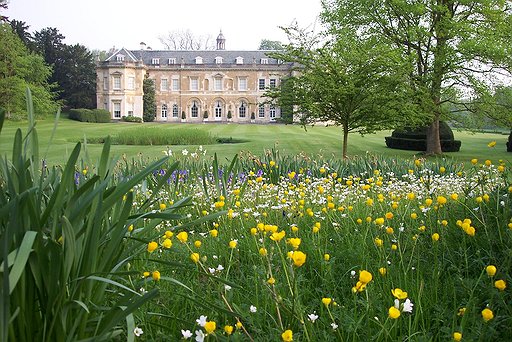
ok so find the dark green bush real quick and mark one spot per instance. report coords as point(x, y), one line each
point(421, 144)
point(416, 139)
point(445, 132)
point(89, 115)
point(131, 118)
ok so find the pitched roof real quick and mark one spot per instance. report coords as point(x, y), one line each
point(208, 56)
point(127, 54)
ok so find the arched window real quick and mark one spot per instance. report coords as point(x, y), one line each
point(272, 112)
point(242, 110)
point(164, 111)
point(175, 110)
point(194, 110)
point(218, 109)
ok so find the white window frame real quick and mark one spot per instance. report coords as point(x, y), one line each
point(163, 111)
point(264, 61)
point(116, 109)
point(217, 83)
point(261, 85)
point(272, 113)
point(131, 83)
point(164, 84)
point(194, 84)
point(261, 111)
point(155, 61)
point(175, 110)
point(272, 83)
point(218, 109)
point(194, 109)
point(120, 58)
point(105, 83)
point(171, 61)
point(116, 82)
point(175, 84)
point(218, 60)
point(242, 110)
point(239, 60)
point(242, 83)
point(199, 60)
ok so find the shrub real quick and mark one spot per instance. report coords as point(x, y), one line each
point(183, 115)
point(89, 115)
point(205, 114)
point(229, 114)
point(415, 139)
point(131, 118)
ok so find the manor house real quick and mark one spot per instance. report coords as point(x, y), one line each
point(191, 86)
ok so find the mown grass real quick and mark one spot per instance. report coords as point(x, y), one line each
point(288, 139)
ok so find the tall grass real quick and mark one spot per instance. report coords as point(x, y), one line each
point(144, 135)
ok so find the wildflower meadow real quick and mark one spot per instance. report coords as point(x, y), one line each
point(257, 248)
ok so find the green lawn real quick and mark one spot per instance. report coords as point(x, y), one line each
point(289, 139)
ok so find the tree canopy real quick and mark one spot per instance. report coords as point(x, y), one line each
point(20, 69)
point(357, 85)
point(267, 44)
point(451, 46)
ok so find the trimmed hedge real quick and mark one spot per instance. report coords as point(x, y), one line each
point(416, 139)
point(445, 132)
point(421, 144)
point(90, 115)
point(509, 142)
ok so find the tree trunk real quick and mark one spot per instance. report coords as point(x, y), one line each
point(443, 18)
point(433, 139)
point(345, 140)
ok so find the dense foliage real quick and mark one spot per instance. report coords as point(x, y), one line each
point(89, 115)
point(148, 100)
point(453, 48)
point(20, 69)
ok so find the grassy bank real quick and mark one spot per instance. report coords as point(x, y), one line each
point(290, 140)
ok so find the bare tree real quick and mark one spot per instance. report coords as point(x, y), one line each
point(186, 40)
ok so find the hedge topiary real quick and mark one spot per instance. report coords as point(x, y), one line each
point(416, 139)
point(89, 115)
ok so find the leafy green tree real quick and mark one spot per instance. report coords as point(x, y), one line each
point(76, 76)
point(266, 44)
point(21, 29)
point(450, 45)
point(20, 69)
point(354, 85)
point(74, 68)
point(148, 100)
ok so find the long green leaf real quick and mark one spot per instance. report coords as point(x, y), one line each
point(57, 117)
point(21, 259)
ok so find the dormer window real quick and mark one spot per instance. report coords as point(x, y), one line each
point(239, 60)
point(120, 58)
point(218, 60)
point(155, 61)
point(199, 60)
point(172, 61)
point(264, 61)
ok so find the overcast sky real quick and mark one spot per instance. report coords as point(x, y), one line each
point(102, 24)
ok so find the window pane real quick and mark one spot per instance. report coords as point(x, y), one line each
point(261, 84)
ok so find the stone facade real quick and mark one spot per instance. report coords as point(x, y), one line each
point(191, 86)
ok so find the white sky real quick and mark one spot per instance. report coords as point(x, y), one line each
point(102, 24)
